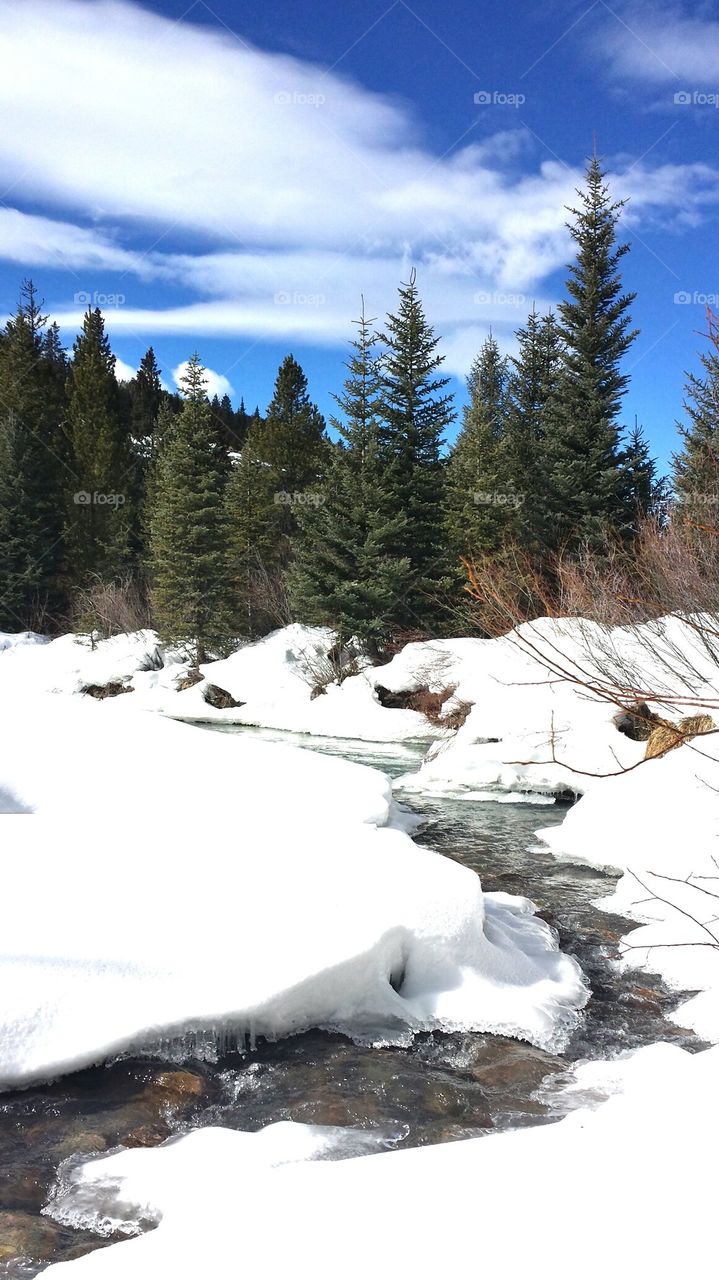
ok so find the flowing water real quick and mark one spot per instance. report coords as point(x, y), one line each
point(441, 1088)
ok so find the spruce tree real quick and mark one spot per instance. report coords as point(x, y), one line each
point(532, 385)
point(645, 492)
point(587, 496)
point(191, 592)
point(695, 467)
point(291, 439)
point(414, 411)
point(34, 473)
point(256, 546)
point(480, 493)
point(145, 400)
point(345, 574)
point(98, 515)
point(146, 397)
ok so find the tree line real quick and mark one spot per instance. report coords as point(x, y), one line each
point(229, 524)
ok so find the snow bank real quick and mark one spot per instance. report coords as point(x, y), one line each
point(274, 680)
point(431, 1210)
point(527, 732)
point(174, 882)
point(660, 824)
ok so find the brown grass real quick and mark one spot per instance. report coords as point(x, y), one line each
point(665, 736)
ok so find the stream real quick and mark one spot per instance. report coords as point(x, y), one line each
point(442, 1088)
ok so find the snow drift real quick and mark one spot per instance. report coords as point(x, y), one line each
point(174, 883)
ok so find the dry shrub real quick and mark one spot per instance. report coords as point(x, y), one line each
point(428, 703)
point(112, 608)
point(667, 569)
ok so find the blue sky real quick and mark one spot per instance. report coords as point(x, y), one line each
point(231, 177)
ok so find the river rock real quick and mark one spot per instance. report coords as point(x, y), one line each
point(22, 1235)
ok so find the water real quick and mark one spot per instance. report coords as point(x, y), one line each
point(440, 1089)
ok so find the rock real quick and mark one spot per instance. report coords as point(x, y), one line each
point(637, 721)
point(218, 698)
point(109, 690)
point(79, 1144)
point(179, 1084)
point(147, 1135)
point(23, 1235)
point(23, 1188)
point(193, 677)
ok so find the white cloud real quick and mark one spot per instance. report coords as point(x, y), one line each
point(216, 384)
point(46, 242)
point(124, 372)
point(305, 189)
point(661, 44)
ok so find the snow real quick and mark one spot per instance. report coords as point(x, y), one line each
point(660, 820)
point(174, 882)
point(627, 1186)
point(260, 889)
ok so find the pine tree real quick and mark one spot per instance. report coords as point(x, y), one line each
point(98, 517)
point(587, 497)
point(696, 467)
point(345, 574)
point(479, 487)
point(33, 469)
point(414, 412)
point(531, 389)
point(191, 592)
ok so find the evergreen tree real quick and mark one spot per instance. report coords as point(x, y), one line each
point(645, 492)
point(479, 487)
point(145, 401)
point(146, 397)
point(191, 593)
point(531, 389)
point(33, 469)
point(696, 466)
point(291, 439)
point(256, 546)
point(98, 517)
point(413, 414)
point(587, 497)
point(345, 574)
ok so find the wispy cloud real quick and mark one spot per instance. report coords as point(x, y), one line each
point(267, 193)
point(661, 44)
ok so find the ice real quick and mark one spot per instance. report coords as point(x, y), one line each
point(626, 1185)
